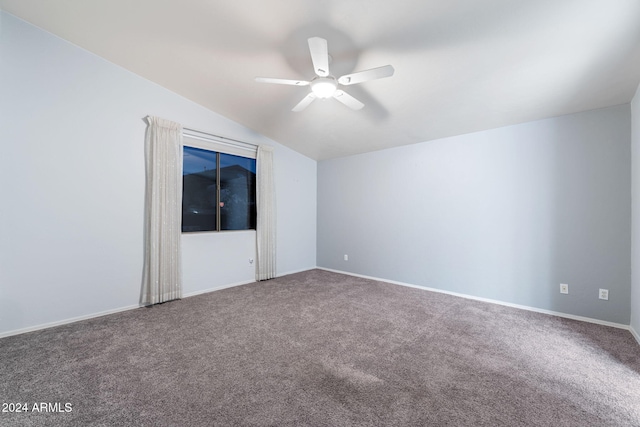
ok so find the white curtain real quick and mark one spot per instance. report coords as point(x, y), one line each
point(163, 209)
point(266, 221)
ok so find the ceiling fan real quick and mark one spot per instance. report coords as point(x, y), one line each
point(324, 85)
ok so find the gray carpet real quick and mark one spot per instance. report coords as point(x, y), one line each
point(323, 349)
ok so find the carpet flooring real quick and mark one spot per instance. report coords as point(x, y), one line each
point(322, 349)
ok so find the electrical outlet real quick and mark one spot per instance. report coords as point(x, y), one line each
point(603, 294)
point(564, 288)
point(346, 257)
point(250, 260)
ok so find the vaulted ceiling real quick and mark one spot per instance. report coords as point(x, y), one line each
point(460, 65)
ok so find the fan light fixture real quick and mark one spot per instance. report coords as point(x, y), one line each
point(324, 87)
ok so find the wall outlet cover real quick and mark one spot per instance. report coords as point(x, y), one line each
point(603, 294)
point(564, 288)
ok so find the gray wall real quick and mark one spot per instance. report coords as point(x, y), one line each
point(72, 193)
point(635, 257)
point(506, 214)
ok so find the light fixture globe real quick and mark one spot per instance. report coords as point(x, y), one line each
point(324, 87)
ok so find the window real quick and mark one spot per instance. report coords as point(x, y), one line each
point(218, 191)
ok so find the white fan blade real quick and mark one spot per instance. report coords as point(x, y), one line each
point(319, 55)
point(305, 102)
point(363, 76)
point(282, 81)
point(348, 100)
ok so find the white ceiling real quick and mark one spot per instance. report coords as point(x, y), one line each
point(461, 65)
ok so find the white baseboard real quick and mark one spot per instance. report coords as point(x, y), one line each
point(190, 294)
point(635, 334)
point(67, 321)
point(507, 304)
point(286, 273)
point(217, 288)
point(130, 307)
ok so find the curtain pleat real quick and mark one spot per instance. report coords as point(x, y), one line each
point(162, 279)
point(266, 215)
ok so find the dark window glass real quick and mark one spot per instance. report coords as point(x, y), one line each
point(199, 190)
point(205, 207)
point(237, 192)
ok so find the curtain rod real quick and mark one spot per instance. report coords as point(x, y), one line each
point(223, 139)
